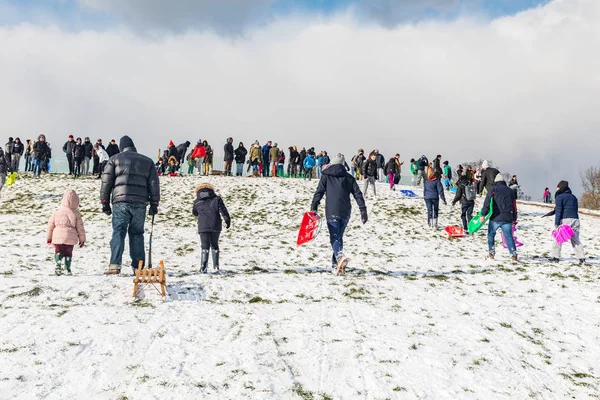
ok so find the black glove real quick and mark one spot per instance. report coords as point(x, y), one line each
point(363, 216)
point(153, 209)
point(106, 208)
point(227, 224)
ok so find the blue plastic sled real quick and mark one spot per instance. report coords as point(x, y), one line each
point(408, 193)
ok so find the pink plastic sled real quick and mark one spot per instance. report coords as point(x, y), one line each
point(517, 243)
point(562, 234)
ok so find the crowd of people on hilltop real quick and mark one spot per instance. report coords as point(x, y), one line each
point(128, 197)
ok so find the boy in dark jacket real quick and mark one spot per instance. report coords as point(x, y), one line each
point(504, 215)
point(337, 185)
point(566, 212)
point(78, 156)
point(369, 172)
point(466, 213)
point(209, 208)
point(432, 193)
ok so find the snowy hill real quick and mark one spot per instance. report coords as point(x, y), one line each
point(417, 315)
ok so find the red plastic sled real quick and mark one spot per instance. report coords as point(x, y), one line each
point(309, 228)
point(454, 231)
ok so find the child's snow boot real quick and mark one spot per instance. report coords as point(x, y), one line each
point(215, 257)
point(204, 261)
point(68, 265)
point(58, 260)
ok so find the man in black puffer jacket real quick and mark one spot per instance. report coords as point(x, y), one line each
point(132, 181)
point(228, 156)
point(369, 172)
point(337, 185)
point(504, 215)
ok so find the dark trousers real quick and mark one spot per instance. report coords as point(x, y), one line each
point(336, 228)
point(265, 168)
point(128, 219)
point(466, 213)
point(71, 164)
point(96, 166)
point(433, 206)
point(101, 168)
point(209, 239)
point(65, 250)
point(78, 166)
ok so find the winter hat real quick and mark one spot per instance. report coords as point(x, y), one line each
point(171, 143)
point(70, 136)
point(562, 185)
point(275, 145)
point(79, 139)
point(87, 138)
point(499, 178)
point(338, 159)
point(485, 164)
point(125, 142)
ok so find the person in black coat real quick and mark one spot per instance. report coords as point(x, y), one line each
point(240, 159)
point(209, 208)
point(182, 150)
point(88, 151)
point(437, 165)
point(78, 155)
point(41, 155)
point(504, 215)
point(370, 173)
point(112, 148)
point(68, 150)
point(337, 185)
point(8, 149)
point(96, 168)
point(3, 169)
point(467, 206)
point(566, 212)
point(130, 181)
point(488, 175)
point(228, 156)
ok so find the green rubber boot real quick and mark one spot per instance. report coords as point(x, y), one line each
point(68, 265)
point(58, 260)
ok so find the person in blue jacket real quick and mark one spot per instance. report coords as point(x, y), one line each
point(266, 152)
point(566, 212)
point(432, 193)
point(504, 215)
point(309, 164)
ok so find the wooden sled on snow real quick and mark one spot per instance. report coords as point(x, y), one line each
point(151, 276)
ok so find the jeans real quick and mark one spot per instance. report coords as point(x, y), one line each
point(239, 169)
point(319, 171)
point(336, 229)
point(433, 206)
point(420, 176)
point(381, 174)
point(308, 173)
point(128, 218)
point(506, 231)
point(37, 167)
point(86, 165)
point(78, 166)
point(575, 242)
point(265, 170)
point(370, 180)
point(466, 213)
point(199, 163)
point(28, 164)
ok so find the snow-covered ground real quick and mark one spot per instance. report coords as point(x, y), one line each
point(417, 315)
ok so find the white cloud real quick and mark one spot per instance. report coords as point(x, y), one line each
point(522, 90)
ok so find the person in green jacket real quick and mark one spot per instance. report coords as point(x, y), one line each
point(413, 170)
point(447, 175)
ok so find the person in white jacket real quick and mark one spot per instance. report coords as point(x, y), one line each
point(102, 158)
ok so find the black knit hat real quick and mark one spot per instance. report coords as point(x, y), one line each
point(562, 185)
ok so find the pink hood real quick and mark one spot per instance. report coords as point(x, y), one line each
point(65, 225)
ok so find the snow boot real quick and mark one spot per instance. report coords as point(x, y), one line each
point(113, 269)
point(58, 260)
point(215, 258)
point(204, 261)
point(68, 261)
point(429, 222)
point(435, 224)
point(341, 265)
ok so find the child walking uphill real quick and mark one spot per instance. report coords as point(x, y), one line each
point(65, 230)
point(209, 208)
point(432, 193)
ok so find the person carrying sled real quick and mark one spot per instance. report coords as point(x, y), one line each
point(566, 212)
point(433, 191)
point(337, 185)
point(504, 215)
point(209, 208)
point(130, 182)
point(65, 230)
point(465, 194)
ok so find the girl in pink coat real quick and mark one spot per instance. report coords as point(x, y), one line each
point(65, 230)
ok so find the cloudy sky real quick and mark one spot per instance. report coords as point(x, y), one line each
point(514, 81)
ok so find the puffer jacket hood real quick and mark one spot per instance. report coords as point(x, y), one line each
point(335, 170)
point(126, 142)
point(70, 200)
point(337, 185)
point(204, 186)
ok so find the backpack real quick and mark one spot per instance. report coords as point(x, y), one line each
point(470, 192)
